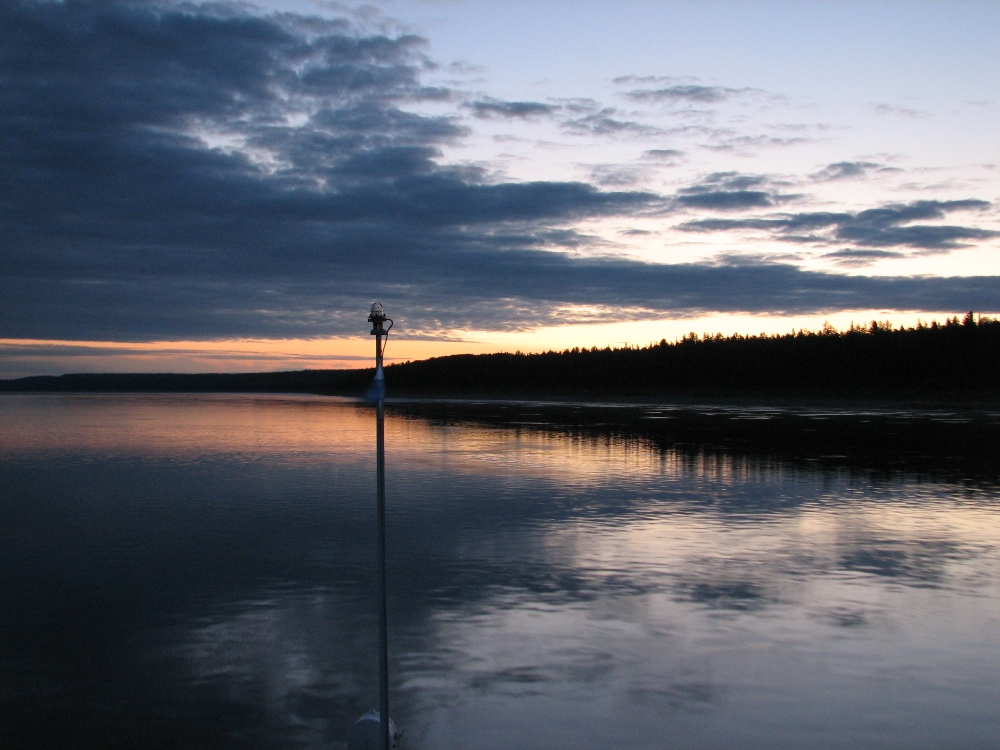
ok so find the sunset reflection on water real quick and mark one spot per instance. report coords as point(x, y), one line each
point(197, 571)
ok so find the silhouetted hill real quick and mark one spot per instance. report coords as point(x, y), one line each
point(958, 359)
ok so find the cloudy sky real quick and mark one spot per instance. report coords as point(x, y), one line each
point(192, 186)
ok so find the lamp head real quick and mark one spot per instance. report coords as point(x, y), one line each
point(377, 313)
point(377, 318)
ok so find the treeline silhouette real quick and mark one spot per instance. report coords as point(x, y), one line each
point(957, 358)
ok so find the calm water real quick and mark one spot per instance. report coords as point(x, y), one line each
point(197, 571)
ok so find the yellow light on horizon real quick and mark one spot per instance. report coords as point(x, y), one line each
point(22, 357)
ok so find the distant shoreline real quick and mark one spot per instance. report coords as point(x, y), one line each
point(957, 363)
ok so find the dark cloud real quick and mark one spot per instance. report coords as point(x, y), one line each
point(887, 226)
point(726, 199)
point(489, 107)
point(884, 227)
point(184, 171)
point(446, 282)
point(727, 191)
point(179, 170)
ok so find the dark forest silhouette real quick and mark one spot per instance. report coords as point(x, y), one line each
point(957, 358)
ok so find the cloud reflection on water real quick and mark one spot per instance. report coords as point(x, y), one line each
point(558, 586)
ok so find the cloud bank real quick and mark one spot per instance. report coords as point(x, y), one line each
point(181, 171)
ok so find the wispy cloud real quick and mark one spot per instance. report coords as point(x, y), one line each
point(887, 226)
point(668, 156)
point(746, 144)
point(607, 121)
point(855, 258)
point(882, 108)
point(618, 175)
point(681, 91)
point(730, 191)
point(686, 94)
point(847, 170)
point(489, 107)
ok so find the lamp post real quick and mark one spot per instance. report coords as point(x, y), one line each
point(377, 317)
point(371, 732)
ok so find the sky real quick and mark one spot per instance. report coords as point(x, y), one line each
point(228, 187)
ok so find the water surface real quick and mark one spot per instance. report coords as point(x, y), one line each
point(197, 571)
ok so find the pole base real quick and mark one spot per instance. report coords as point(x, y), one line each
point(376, 391)
point(366, 733)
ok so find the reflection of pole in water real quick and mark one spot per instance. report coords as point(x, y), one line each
point(383, 625)
point(377, 731)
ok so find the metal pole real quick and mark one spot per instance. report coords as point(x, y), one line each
point(383, 654)
point(364, 732)
point(378, 350)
